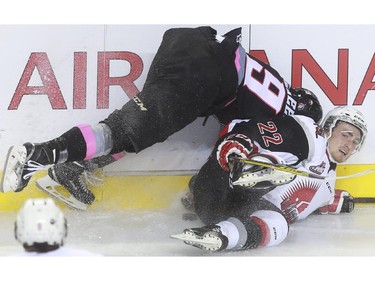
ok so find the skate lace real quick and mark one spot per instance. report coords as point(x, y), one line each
point(32, 167)
point(92, 179)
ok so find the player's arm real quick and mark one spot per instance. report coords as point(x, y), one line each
point(279, 134)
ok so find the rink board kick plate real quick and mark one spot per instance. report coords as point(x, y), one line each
point(160, 191)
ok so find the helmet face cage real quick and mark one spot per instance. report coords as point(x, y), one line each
point(307, 104)
point(40, 221)
point(348, 115)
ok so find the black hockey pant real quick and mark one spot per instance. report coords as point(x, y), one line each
point(215, 200)
point(190, 75)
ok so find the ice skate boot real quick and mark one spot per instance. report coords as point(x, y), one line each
point(22, 162)
point(258, 177)
point(75, 178)
point(208, 238)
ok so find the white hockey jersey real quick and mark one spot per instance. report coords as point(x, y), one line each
point(303, 195)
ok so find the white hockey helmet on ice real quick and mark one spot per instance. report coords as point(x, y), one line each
point(40, 222)
point(349, 115)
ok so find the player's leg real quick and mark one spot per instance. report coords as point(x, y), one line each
point(187, 79)
point(79, 143)
point(264, 227)
point(211, 192)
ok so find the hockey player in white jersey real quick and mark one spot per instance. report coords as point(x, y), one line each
point(247, 206)
point(41, 228)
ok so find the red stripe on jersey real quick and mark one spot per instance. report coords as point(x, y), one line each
point(264, 229)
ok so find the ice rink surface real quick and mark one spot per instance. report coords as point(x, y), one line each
point(138, 240)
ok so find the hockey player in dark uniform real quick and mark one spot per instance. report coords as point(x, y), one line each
point(195, 73)
point(247, 206)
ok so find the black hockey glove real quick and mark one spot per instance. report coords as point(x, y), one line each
point(348, 204)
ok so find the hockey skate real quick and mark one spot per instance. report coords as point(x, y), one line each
point(258, 177)
point(74, 177)
point(208, 238)
point(21, 164)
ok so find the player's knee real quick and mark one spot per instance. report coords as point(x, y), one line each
point(263, 228)
point(273, 225)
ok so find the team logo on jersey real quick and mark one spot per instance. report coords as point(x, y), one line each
point(297, 197)
point(318, 169)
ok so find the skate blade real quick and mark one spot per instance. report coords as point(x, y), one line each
point(251, 179)
point(48, 185)
point(247, 180)
point(190, 239)
point(13, 168)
